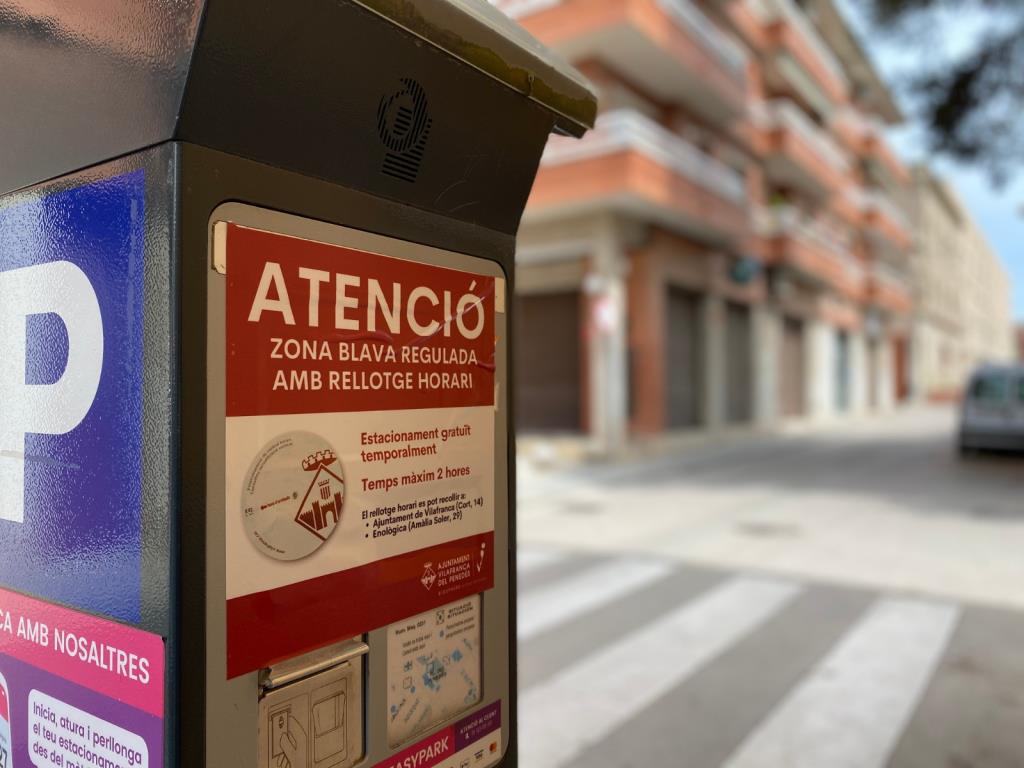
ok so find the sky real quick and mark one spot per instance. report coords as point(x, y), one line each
point(999, 212)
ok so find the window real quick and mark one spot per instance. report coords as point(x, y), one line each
point(990, 388)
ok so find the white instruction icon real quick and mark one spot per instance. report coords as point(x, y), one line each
point(306, 724)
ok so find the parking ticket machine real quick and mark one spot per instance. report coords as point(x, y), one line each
point(256, 467)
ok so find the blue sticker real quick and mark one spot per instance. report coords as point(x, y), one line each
point(71, 268)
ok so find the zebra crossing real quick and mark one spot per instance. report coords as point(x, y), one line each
point(591, 589)
point(631, 660)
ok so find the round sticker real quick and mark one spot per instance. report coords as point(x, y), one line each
point(293, 493)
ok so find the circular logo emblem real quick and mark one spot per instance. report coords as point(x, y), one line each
point(293, 494)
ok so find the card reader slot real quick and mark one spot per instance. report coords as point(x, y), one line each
point(292, 670)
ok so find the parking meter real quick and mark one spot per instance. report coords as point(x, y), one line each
point(256, 448)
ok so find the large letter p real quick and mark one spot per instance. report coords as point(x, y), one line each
point(59, 288)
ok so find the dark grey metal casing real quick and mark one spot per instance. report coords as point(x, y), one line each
point(277, 106)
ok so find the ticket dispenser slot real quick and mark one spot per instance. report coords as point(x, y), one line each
point(311, 710)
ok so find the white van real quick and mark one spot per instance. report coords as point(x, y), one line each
point(993, 410)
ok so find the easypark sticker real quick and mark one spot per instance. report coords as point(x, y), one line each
point(473, 742)
point(360, 440)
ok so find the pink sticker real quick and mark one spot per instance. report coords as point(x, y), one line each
point(118, 662)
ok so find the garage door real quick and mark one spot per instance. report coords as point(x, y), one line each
point(901, 368)
point(547, 362)
point(873, 365)
point(684, 359)
point(738, 362)
point(791, 369)
point(842, 371)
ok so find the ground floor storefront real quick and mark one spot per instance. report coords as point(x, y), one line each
point(624, 334)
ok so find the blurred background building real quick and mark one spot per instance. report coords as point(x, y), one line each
point(963, 313)
point(736, 244)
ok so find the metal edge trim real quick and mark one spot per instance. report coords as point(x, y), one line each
point(536, 74)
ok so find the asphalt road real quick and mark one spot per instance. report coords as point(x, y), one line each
point(848, 598)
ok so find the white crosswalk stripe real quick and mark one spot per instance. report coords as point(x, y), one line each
point(534, 559)
point(566, 599)
point(580, 705)
point(851, 711)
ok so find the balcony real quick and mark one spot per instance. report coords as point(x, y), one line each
point(811, 250)
point(865, 137)
point(799, 58)
point(889, 289)
point(884, 224)
point(671, 46)
point(798, 152)
point(634, 165)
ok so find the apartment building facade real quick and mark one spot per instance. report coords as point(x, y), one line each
point(962, 293)
point(725, 247)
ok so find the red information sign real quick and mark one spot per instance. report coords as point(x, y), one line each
point(360, 441)
point(315, 328)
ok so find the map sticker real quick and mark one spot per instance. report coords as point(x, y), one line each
point(433, 668)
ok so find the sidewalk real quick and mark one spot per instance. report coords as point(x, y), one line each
point(552, 461)
point(883, 503)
